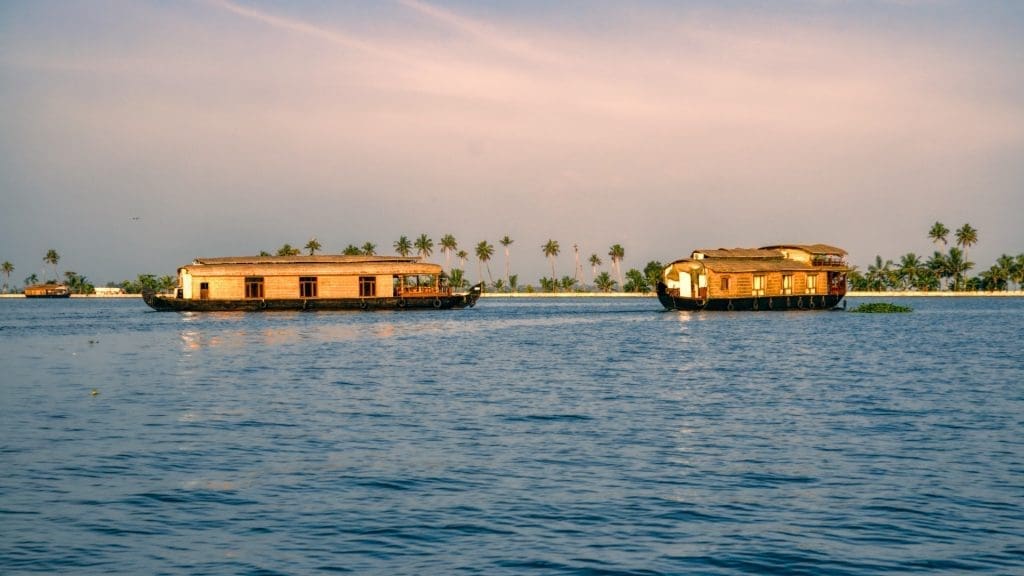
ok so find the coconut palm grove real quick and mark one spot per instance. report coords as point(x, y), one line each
point(948, 268)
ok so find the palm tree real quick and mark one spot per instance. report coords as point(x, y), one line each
point(448, 246)
point(7, 268)
point(287, 250)
point(1018, 271)
point(425, 246)
point(456, 278)
point(856, 280)
point(52, 258)
point(513, 282)
point(312, 246)
point(551, 250)
point(577, 270)
point(506, 242)
point(369, 249)
point(966, 237)
point(604, 282)
point(909, 271)
point(652, 272)
point(403, 246)
point(999, 276)
point(462, 255)
point(352, 250)
point(484, 251)
point(617, 253)
point(993, 279)
point(595, 261)
point(938, 233)
point(637, 282)
point(78, 284)
point(939, 267)
point(1006, 266)
point(879, 275)
point(957, 265)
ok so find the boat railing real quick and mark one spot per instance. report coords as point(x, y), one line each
point(425, 291)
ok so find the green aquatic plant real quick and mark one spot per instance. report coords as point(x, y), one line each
point(881, 308)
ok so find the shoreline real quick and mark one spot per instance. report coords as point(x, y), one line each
point(909, 294)
point(510, 295)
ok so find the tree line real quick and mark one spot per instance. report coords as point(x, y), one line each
point(945, 269)
point(79, 284)
point(423, 246)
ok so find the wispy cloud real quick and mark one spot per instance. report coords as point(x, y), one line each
point(306, 29)
point(486, 35)
point(420, 114)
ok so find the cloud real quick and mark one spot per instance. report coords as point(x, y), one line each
point(652, 126)
point(303, 28)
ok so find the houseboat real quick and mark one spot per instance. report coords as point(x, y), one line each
point(311, 283)
point(49, 290)
point(782, 277)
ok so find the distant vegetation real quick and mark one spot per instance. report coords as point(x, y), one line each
point(633, 280)
point(943, 270)
point(946, 269)
point(881, 308)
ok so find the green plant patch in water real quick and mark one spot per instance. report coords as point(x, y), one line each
point(881, 308)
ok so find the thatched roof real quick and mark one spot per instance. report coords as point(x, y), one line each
point(735, 265)
point(328, 259)
point(768, 258)
point(770, 252)
point(814, 249)
point(309, 266)
point(748, 253)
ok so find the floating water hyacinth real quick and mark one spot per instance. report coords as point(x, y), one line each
point(881, 308)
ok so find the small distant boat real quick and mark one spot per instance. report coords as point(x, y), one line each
point(257, 283)
point(49, 290)
point(781, 277)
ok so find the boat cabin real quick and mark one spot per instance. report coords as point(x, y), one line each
point(309, 277)
point(790, 270)
point(49, 290)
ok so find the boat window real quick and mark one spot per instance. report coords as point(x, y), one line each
point(307, 286)
point(787, 283)
point(758, 285)
point(254, 287)
point(812, 283)
point(367, 286)
point(725, 283)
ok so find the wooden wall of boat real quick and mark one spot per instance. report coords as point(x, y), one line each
point(741, 284)
point(337, 277)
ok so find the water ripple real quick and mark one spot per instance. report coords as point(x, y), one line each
point(551, 437)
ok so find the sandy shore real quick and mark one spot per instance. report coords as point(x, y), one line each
point(85, 296)
point(999, 294)
point(1012, 293)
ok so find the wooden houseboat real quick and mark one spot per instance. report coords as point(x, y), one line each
point(782, 277)
point(311, 283)
point(49, 290)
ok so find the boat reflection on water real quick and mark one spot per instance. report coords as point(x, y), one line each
point(196, 338)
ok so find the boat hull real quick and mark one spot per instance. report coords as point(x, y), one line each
point(65, 295)
point(446, 302)
point(760, 304)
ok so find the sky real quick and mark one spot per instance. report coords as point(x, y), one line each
point(138, 135)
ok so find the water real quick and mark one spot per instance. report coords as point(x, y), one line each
point(590, 436)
